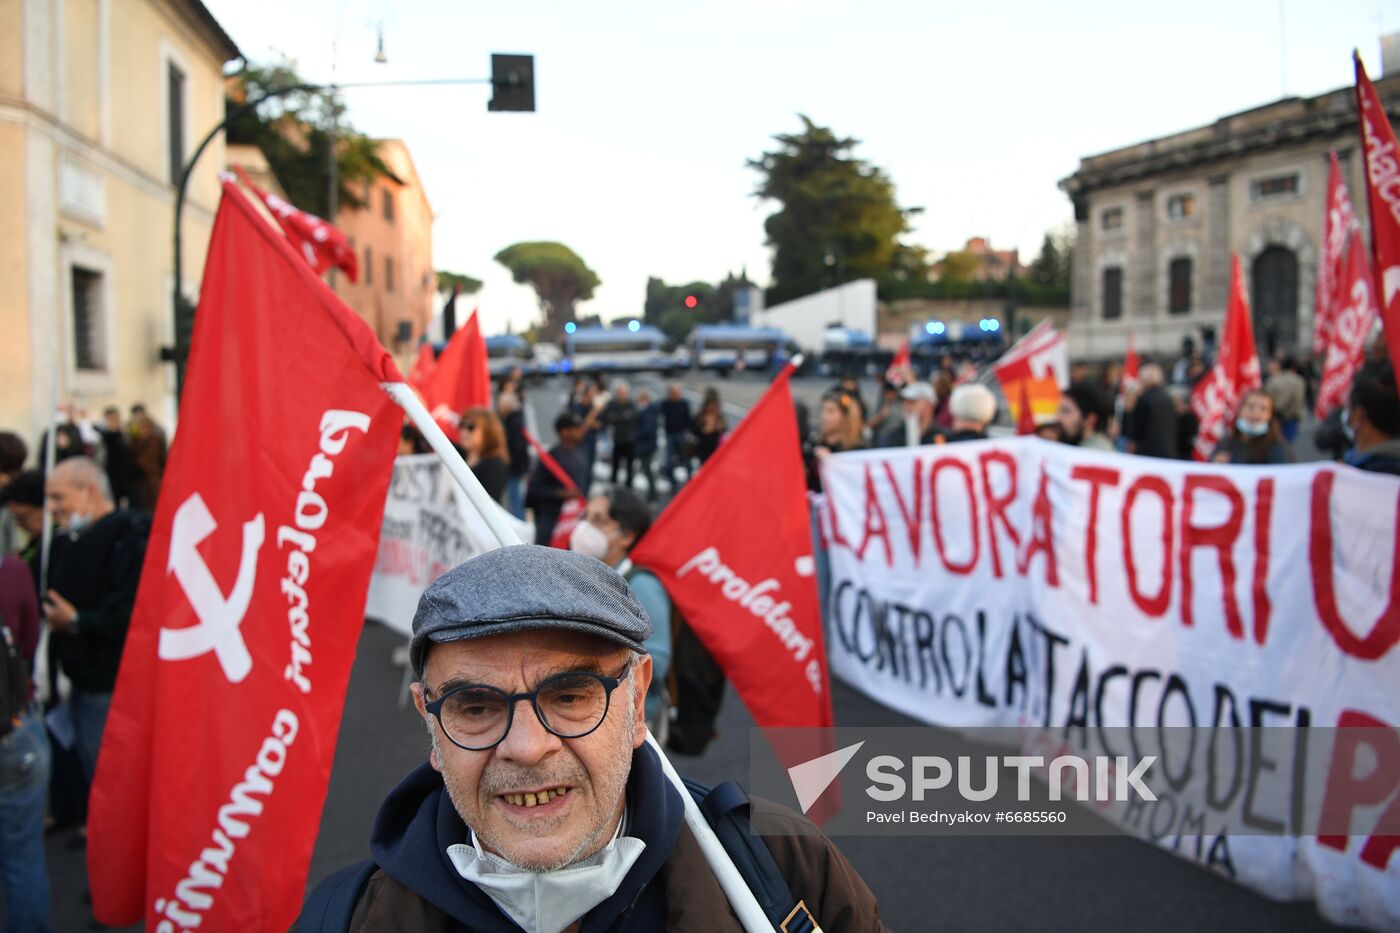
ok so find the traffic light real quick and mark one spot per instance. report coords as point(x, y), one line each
point(691, 301)
point(512, 83)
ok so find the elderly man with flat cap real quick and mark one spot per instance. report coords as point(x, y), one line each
point(541, 806)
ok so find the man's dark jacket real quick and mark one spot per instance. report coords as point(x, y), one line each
point(670, 887)
point(675, 414)
point(98, 571)
point(1153, 424)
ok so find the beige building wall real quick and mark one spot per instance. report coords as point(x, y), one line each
point(397, 285)
point(85, 162)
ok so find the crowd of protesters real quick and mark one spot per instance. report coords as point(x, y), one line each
point(64, 616)
point(1150, 416)
point(106, 477)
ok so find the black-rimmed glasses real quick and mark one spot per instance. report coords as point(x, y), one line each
point(477, 717)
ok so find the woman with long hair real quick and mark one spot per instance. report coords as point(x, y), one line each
point(709, 425)
point(484, 443)
point(1256, 436)
point(839, 428)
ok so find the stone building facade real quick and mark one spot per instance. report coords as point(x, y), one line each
point(101, 104)
point(1156, 224)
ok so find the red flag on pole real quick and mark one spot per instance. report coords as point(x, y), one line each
point(462, 378)
point(1383, 192)
point(1355, 315)
point(1131, 364)
point(319, 243)
point(899, 369)
point(734, 551)
point(423, 366)
point(1235, 372)
point(1032, 373)
point(218, 746)
point(1025, 418)
point(1338, 223)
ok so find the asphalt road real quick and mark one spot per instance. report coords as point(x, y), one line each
point(922, 883)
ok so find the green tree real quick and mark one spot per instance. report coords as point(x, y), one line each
point(957, 266)
point(666, 306)
point(838, 220)
point(464, 284)
point(560, 279)
point(293, 132)
point(1052, 266)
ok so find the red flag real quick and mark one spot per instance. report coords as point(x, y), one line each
point(734, 551)
point(423, 366)
point(319, 243)
point(1338, 224)
point(1025, 418)
point(218, 746)
point(1235, 372)
point(1131, 364)
point(898, 371)
point(1032, 373)
point(1355, 316)
point(462, 378)
point(1383, 191)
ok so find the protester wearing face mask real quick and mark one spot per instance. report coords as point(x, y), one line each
point(95, 568)
point(541, 807)
point(1255, 437)
point(1371, 420)
point(612, 526)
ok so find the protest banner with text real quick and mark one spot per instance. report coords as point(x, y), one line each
point(1023, 583)
point(429, 528)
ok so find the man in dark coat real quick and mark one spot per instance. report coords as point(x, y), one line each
point(1373, 419)
point(547, 494)
point(95, 569)
point(554, 815)
point(620, 417)
point(676, 421)
point(1151, 428)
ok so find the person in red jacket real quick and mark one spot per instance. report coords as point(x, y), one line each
point(25, 760)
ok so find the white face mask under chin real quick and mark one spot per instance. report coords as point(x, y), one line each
point(586, 538)
point(547, 902)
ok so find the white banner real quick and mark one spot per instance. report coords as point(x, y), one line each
point(429, 527)
point(1015, 582)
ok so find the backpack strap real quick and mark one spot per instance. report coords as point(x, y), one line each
point(726, 809)
point(332, 903)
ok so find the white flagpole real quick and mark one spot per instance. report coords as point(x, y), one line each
point(751, 915)
point(413, 406)
point(741, 898)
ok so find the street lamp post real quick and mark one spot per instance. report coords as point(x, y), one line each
point(506, 86)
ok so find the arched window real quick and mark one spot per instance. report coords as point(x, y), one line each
point(1274, 300)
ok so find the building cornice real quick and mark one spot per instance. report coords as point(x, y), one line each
point(23, 114)
point(1326, 116)
point(198, 16)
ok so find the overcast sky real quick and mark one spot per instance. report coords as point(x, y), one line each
point(647, 111)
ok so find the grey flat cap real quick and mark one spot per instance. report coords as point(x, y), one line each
point(527, 588)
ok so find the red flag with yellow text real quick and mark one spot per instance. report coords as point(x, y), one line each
point(219, 743)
